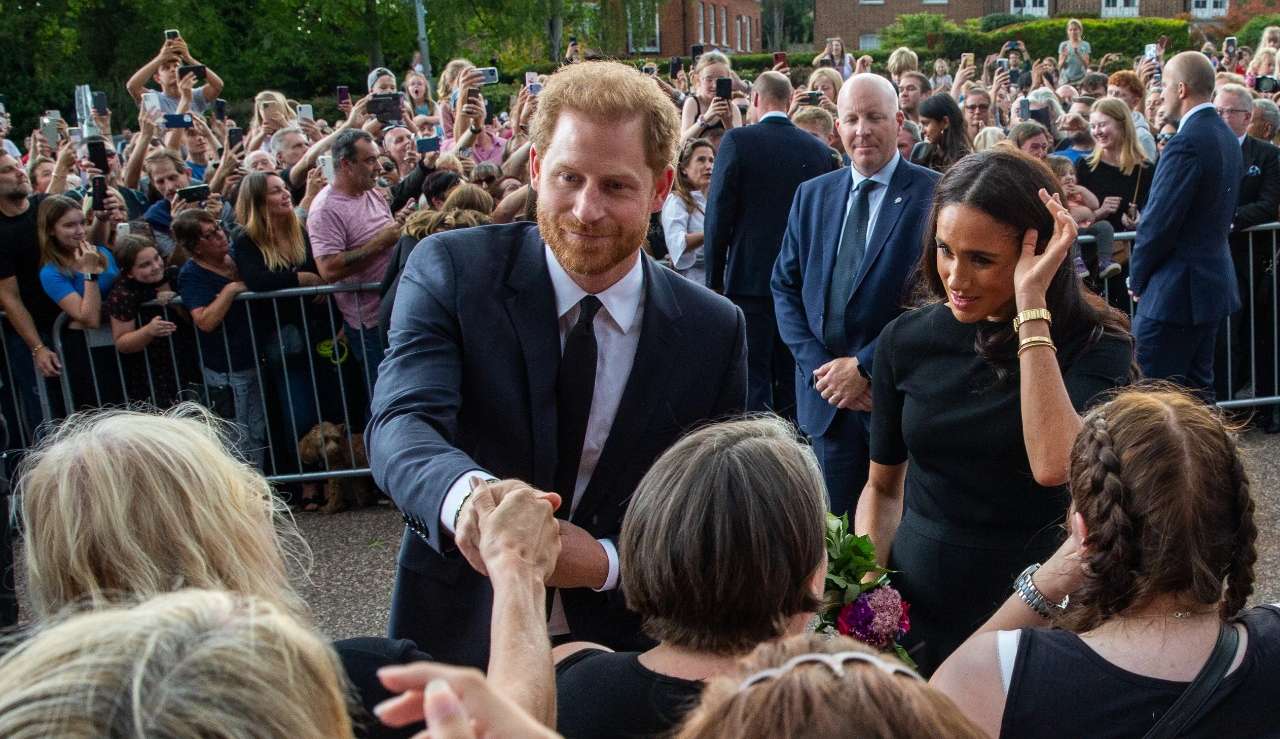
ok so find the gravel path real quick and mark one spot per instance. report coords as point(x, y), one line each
point(350, 584)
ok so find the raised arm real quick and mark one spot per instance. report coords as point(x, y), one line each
point(137, 84)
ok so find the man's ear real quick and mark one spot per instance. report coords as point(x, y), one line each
point(535, 167)
point(662, 188)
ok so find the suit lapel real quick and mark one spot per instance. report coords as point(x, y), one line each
point(646, 387)
point(531, 306)
point(895, 202)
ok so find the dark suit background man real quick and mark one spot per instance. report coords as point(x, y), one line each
point(553, 355)
point(1251, 353)
point(848, 252)
point(1180, 270)
point(758, 169)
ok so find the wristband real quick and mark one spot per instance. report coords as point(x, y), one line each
point(90, 277)
point(1034, 341)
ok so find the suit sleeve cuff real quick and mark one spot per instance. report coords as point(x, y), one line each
point(610, 551)
point(457, 495)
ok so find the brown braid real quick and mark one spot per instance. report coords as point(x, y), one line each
point(1240, 573)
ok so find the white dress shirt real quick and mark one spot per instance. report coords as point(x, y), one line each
point(1187, 116)
point(874, 199)
point(617, 329)
point(679, 221)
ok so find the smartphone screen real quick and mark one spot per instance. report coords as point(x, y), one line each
point(235, 136)
point(98, 155)
point(171, 34)
point(427, 144)
point(530, 78)
point(724, 88)
point(99, 193)
point(344, 94)
point(220, 109)
point(306, 112)
point(779, 57)
point(1024, 109)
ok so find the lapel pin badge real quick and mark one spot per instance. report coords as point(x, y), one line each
point(897, 200)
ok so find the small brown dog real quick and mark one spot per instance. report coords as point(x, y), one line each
point(329, 441)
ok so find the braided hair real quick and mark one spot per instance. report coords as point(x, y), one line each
point(1162, 488)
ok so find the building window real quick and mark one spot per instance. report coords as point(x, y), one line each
point(871, 2)
point(724, 25)
point(642, 31)
point(1037, 8)
point(702, 31)
point(711, 24)
point(1119, 8)
point(1209, 8)
point(868, 42)
point(935, 2)
point(748, 20)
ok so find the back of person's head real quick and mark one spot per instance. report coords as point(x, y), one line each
point(424, 223)
point(724, 537)
point(127, 504)
point(902, 60)
point(467, 196)
point(1049, 99)
point(1095, 82)
point(773, 88)
point(1161, 486)
point(1193, 70)
point(436, 186)
point(988, 137)
point(187, 226)
point(195, 664)
point(817, 687)
point(609, 92)
point(814, 117)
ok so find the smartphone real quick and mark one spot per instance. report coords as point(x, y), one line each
point(235, 135)
point(779, 57)
point(1229, 45)
point(171, 34)
point(674, 66)
point(220, 109)
point(76, 134)
point(535, 88)
point(724, 87)
point(1002, 65)
point(49, 127)
point(98, 155)
point(326, 166)
point(530, 78)
point(306, 112)
point(489, 75)
point(122, 229)
point(966, 59)
point(812, 97)
point(100, 103)
point(651, 70)
point(99, 193)
point(151, 100)
point(695, 51)
point(1024, 109)
point(197, 69)
point(344, 94)
point(194, 193)
point(177, 120)
point(1267, 84)
point(427, 144)
point(386, 107)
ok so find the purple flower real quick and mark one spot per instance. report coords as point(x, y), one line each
point(877, 617)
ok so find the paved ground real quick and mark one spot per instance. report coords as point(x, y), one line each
point(350, 584)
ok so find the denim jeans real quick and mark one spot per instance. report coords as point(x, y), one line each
point(249, 420)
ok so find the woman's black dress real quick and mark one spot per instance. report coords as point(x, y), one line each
point(973, 515)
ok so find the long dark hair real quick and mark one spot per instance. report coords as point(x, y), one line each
point(955, 141)
point(1004, 183)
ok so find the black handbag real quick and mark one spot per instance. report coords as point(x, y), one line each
point(1191, 704)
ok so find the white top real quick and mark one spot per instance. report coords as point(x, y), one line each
point(617, 329)
point(677, 222)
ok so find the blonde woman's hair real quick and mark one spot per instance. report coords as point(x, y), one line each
point(1131, 154)
point(902, 60)
point(195, 664)
point(710, 58)
point(610, 92)
point(279, 239)
point(1075, 22)
point(830, 75)
point(426, 91)
point(466, 196)
point(128, 504)
point(270, 97)
point(449, 77)
point(1265, 53)
point(424, 223)
point(988, 137)
point(811, 700)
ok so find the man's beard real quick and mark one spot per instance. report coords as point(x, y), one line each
point(601, 255)
point(15, 192)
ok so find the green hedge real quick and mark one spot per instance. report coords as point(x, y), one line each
point(1126, 36)
point(1251, 33)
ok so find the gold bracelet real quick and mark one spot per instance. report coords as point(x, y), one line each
point(1032, 314)
point(36, 349)
point(1032, 341)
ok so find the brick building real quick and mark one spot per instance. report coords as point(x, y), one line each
point(858, 22)
point(730, 25)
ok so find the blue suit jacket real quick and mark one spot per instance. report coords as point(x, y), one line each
point(758, 169)
point(469, 382)
point(802, 274)
point(1181, 265)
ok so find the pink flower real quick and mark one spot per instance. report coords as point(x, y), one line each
point(877, 617)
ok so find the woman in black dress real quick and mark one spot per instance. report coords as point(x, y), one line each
point(973, 419)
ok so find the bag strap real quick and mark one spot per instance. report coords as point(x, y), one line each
point(1191, 704)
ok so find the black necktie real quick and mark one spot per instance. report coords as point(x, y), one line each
point(853, 247)
point(575, 384)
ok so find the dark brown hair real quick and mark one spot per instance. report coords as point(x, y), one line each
point(811, 701)
point(724, 535)
point(1004, 183)
point(1161, 485)
point(186, 228)
point(127, 249)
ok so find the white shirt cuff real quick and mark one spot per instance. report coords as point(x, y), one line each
point(457, 495)
point(610, 551)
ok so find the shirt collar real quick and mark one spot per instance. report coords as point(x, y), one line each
point(772, 114)
point(621, 300)
point(1187, 116)
point(1243, 136)
point(881, 178)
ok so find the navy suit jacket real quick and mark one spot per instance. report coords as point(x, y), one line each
point(803, 271)
point(758, 169)
point(469, 382)
point(1181, 268)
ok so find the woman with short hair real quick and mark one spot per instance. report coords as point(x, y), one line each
point(722, 548)
point(1158, 567)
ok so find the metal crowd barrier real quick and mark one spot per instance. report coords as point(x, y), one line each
point(116, 379)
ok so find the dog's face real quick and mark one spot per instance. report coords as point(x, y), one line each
point(325, 441)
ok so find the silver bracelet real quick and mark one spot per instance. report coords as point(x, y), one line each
point(1026, 589)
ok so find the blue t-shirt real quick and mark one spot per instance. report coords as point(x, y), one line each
point(58, 283)
point(1074, 155)
point(199, 287)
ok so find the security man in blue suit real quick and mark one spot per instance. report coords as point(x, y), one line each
point(1180, 271)
point(853, 239)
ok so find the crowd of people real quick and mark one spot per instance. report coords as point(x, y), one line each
point(626, 346)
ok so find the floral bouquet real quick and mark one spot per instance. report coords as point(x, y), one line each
point(858, 600)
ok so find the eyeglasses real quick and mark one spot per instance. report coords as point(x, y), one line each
point(1164, 138)
point(1231, 111)
point(977, 107)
